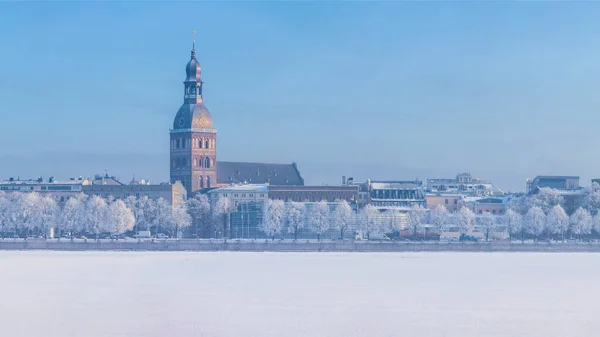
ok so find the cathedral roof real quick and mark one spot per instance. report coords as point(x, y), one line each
point(193, 116)
point(258, 173)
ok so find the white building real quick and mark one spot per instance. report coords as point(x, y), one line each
point(61, 190)
point(241, 193)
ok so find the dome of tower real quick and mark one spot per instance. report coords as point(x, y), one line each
point(193, 69)
point(193, 116)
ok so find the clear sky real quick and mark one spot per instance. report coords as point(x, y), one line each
point(381, 90)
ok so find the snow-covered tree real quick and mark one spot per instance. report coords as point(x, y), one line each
point(416, 216)
point(370, 220)
point(438, 217)
point(546, 198)
point(318, 218)
point(48, 214)
point(487, 224)
point(581, 222)
point(557, 221)
point(596, 222)
point(72, 217)
point(120, 218)
point(223, 210)
point(341, 217)
point(393, 222)
point(591, 201)
point(535, 221)
point(159, 214)
point(295, 215)
point(181, 218)
point(30, 210)
point(96, 213)
point(513, 222)
point(199, 208)
point(465, 220)
point(273, 217)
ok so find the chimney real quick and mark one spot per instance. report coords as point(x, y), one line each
point(343, 180)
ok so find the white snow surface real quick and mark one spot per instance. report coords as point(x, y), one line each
point(109, 294)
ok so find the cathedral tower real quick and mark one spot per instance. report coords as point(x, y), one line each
point(193, 138)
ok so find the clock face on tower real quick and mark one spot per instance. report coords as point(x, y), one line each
point(204, 122)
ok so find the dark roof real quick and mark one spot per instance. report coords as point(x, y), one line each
point(258, 173)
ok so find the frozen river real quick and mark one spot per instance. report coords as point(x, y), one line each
point(93, 294)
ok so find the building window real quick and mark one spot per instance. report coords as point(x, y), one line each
point(208, 182)
point(207, 162)
point(455, 201)
point(200, 143)
point(137, 195)
point(177, 143)
point(201, 182)
point(446, 201)
point(206, 143)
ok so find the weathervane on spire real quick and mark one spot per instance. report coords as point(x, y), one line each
point(194, 40)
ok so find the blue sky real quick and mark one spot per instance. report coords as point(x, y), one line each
point(381, 90)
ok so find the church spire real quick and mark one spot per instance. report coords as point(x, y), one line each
point(193, 82)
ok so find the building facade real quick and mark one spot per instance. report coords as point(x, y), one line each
point(314, 193)
point(464, 183)
point(556, 182)
point(61, 190)
point(452, 202)
point(193, 145)
point(106, 187)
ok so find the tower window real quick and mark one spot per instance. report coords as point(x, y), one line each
point(177, 143)
point(207, 162)
point(201, 182)
point(200, 143)
point(200, 162)
point(206, 144)
point(208, 182)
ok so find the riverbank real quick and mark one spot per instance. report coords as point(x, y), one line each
point(263, 245)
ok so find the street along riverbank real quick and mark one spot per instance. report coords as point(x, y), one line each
point(262, 245)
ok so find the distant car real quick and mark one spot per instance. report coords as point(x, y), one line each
point(379, 237)
point(143, 235)
point(118, 236)
point(468, 238)
point(161, 236)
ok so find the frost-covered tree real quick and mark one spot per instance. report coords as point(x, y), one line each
point(295, 217)
point(535, 221)
point(223, 210)
point(96, 214)
point(48, 214)
point(513, 222)
point(465, 220)
point(596, 223)
point(341, 217)
point(181, 218)
point(30, 209)
point(199, 208)
point(416, 216)
point(273, 218)
point(557, 221)
point(546, 198)
point(120, 218)
point(487, 224)
point(72, 217)
point(318, 218)
point(370, 220)
point(159, 214)
point(5, 224)
point(591, 201)
point(393, 222)
point(438, 217)
point(581, 222)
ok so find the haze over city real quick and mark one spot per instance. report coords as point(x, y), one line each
point(378, 90)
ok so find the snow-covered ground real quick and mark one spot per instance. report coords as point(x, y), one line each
point(109, 294)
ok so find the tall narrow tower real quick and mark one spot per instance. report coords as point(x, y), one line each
point(193, 138)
